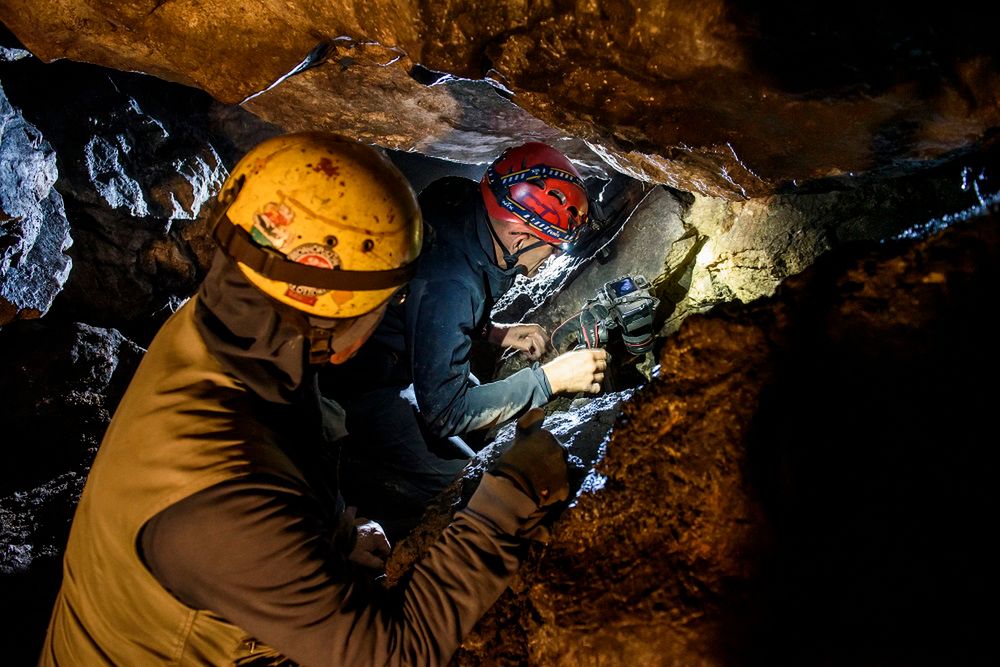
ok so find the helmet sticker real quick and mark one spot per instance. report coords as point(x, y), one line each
point(312, 254)
point(270, 225)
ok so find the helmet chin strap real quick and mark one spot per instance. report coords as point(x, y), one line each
point(333, 341)
point(510, 260)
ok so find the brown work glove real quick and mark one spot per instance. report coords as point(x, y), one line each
point(536, 463)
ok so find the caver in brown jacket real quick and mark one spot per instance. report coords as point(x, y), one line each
point(199, 414)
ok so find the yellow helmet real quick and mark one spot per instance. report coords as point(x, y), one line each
point(321, 223)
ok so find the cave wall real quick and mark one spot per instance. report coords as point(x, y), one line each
point(725, 98)
point(34, 231)
point(807, 481)
point(707, 531)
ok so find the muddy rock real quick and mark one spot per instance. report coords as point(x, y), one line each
point(804, 481)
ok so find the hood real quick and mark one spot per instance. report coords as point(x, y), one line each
point(258, 340)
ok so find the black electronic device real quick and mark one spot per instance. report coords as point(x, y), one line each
point(624, 304)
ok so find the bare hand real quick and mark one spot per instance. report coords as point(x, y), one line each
point(576, 371)
point(528, 338)
point(372, 546)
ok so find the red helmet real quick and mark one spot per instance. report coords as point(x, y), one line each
point(537, 186)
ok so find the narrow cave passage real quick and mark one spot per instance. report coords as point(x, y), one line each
point(793, 469)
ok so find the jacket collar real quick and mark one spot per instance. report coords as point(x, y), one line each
point(258, 340)
point(499, 279)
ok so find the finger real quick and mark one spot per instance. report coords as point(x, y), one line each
point(380, 543)
point(600, 353)
point(594, 388)
point(599, 377)
point(530, 421)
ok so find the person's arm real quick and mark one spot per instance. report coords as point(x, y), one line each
point(440, 321)
point(260, 556)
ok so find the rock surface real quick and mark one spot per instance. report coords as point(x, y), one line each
point(138, 163)
point(34, 232)
point(806, 481)
point(725, 98)
point(60, 385)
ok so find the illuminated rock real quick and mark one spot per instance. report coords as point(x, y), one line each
point(34, 232)
point(725, 98)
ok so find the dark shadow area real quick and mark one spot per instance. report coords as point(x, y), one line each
point(874, 454)
point(34, 592)
point(863, 47)
point(59, 393)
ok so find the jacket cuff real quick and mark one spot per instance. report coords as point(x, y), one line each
point(502, 504)
point(542, 380)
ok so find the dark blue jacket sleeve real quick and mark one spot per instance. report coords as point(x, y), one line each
point(441, 316)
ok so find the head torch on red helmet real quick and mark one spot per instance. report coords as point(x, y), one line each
point(537, 186)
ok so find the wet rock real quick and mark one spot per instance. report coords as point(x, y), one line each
point(34, 232)
point(729, 99)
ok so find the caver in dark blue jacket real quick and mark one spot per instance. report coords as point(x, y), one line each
point(427, 341)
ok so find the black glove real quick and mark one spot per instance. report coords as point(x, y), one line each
point(536, 462)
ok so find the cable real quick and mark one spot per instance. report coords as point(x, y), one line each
point(552, 337)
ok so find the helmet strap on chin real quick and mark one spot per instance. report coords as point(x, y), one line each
point(509, 258)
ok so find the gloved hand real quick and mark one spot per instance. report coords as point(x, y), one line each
point(536, 462)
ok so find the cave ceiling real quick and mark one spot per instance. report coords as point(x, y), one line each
point(727, 99)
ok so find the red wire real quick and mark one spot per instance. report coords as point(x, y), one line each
point(564, 323)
